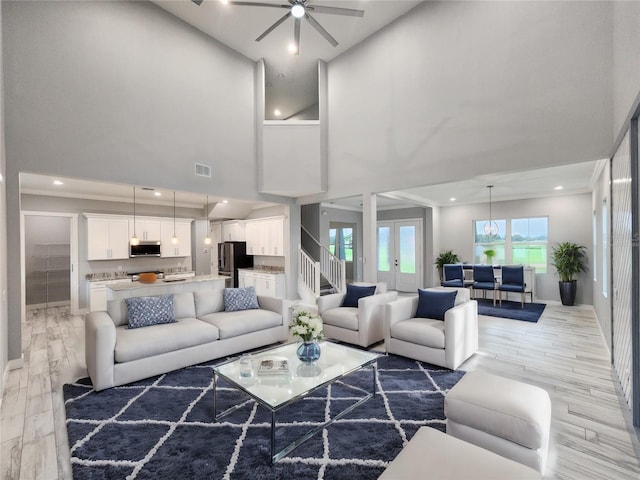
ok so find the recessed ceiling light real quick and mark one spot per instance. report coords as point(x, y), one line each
point(277, 112)
point(58, 182)
point(225, 201)
point(292, 49)
point(224, 2)
point(157, 194)
point(559, 187)
point(452, 199)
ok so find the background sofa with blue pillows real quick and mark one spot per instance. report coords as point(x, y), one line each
point(203, 325)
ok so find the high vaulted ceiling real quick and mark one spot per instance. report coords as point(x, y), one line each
point(238, 26)
point(291, 80)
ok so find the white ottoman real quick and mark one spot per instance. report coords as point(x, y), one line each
point(507, 417)
point(433, 454)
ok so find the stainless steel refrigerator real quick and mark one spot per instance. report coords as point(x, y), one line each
point(231, 256)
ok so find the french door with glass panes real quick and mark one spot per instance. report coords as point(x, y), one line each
point(400, 254)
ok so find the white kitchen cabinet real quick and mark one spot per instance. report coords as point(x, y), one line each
point(233, 231)
point(107, 238)
point(146, 229)
point(98, 293)
point(252, 235)
point(183, 233)
point(265, 283)
point(275, 237)
point(265, 236)
point(246, 279)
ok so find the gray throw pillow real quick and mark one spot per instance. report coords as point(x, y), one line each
point(240, 299)
point(147, 311)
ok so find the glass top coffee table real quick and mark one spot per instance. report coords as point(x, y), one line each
point(277, 390)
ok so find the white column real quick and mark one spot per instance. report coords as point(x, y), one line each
point(369, 237)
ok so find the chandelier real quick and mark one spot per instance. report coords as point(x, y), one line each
point(490, 228)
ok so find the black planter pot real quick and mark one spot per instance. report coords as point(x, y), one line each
point(568, 292)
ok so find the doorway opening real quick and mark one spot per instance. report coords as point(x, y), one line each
point(49, 257)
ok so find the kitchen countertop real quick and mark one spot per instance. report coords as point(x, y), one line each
point(117, 287)
point(263, 270)
point(105, 277)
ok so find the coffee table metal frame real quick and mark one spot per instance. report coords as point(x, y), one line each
point(275, 456)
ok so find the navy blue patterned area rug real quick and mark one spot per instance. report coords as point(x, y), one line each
point(513, 310)
point(163, 427)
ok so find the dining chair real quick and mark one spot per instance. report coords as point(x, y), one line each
point(513, 281)
point(453, 275)
point(483, 279)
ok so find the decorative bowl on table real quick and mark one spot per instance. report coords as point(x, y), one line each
point(148, 277)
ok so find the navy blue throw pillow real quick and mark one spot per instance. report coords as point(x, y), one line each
point(355, 293)
point(433, 303)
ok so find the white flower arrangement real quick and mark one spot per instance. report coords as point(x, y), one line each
point(307, 326)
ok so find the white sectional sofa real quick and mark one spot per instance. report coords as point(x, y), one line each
point(117, 355)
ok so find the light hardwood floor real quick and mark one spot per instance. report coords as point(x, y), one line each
point(564, 353)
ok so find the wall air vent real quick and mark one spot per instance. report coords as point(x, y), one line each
point(203, 170)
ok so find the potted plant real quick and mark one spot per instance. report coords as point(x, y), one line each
point(569, 260)
point(490, 253)
point(445, 258)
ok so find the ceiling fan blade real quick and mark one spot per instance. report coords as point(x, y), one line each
point(256, 4)
point(274, 26)
point(336, 10)
point(296, 36)
point(314, 23)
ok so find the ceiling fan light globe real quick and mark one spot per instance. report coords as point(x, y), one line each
point(298, 10)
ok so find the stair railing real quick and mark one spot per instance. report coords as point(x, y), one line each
point(309, 272)
point(331, 267)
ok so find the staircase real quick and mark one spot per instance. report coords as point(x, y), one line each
point(319, 277)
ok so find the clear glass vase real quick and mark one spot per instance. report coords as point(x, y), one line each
point(308, 352)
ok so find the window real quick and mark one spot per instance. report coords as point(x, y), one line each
point(341, 243)
point(484, 242)
point(529, 242)
point(604, 248)
point(519, 241)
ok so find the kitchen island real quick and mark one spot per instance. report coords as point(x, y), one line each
point(118, 291)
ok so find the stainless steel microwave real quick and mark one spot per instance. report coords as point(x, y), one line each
point(145, 249)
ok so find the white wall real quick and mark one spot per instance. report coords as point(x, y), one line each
point(124, 91)
point(3, 227)
point(569, 220)
point(457, 89)
point(626, 62)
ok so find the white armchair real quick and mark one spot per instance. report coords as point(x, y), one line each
point(446, 343)
point(358, 326)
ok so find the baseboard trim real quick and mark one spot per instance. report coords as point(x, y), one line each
point(5, 375)
point(11, 365)
point(16, 363)
point(37, 306)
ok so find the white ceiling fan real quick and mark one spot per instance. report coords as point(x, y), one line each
point(299, 9)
